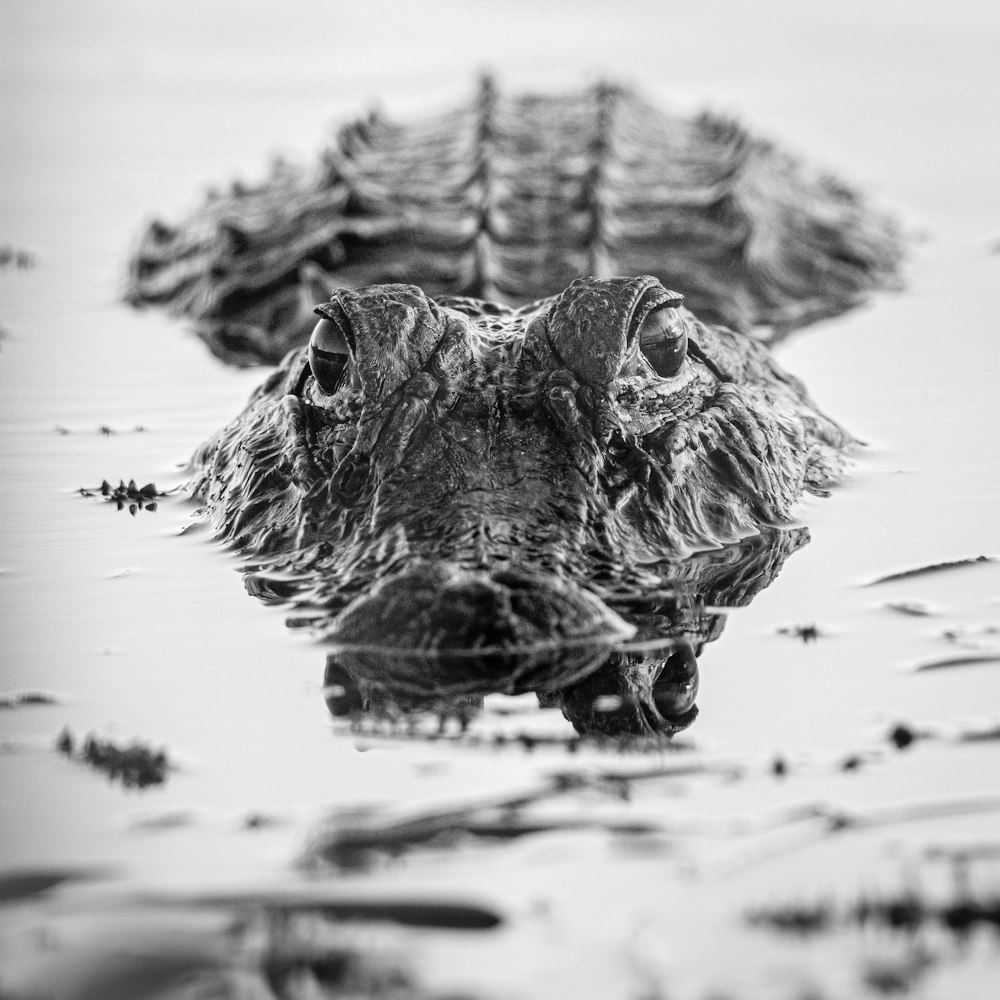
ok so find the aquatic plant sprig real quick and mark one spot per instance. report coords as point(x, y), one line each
point(136, 765)
point(129, 495)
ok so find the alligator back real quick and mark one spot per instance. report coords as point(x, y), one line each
point(509, 198)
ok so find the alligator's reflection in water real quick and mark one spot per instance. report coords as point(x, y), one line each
point(643, 688)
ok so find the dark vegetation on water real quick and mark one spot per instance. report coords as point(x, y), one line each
point(25, 699)
point(908, 574)
point(368, 837)
point(915, 609)
point(16, 886)
point(18, 257)
point(903, 735)
point(128, 495)
point(807, 633)
point(303, 940)
point(905, 911)
point(969, 660)
point(912, 927)
point(136, 765)
point(105, 430)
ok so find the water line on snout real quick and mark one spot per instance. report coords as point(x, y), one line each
point(477, 652)
point(645, 646)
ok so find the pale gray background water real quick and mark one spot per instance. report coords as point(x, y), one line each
point(114, 111)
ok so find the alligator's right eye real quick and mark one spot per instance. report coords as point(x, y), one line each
point(663, 339)
point(328, 355)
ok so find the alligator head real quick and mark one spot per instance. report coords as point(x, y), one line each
point(456, 475)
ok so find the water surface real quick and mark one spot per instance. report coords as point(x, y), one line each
point(140, 627)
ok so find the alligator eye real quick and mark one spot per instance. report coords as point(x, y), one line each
point(328, 355)
point(675, 690)
point(663, 340)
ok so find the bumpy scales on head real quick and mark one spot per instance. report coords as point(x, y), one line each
point(523, 463)
point(511, 197)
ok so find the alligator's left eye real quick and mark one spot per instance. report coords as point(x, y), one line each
point(663, 340)
point(676, 688)
point(328, 354)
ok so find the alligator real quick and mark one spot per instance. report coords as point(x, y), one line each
point(450, 478)
point(467, 491)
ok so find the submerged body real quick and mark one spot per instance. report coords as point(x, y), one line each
point(509, 198)
point(461, 475)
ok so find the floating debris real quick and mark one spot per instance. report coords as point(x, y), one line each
point(908, 574)
point(261, 821)
point(24, 699)
point(916, 609)
point(901, 736)
point(985, 734)
point(905, 910)
point(105, 430)
point(970, 660)
point(977, 637)
point(135, 766)
point(21, 884)
point(807, 633)
point(794, 918)
point(168, 819)
point(360, 837)
point(896, 976)
point(128, 494)
point(335, 903)
point(18, 257)
point(261, 942)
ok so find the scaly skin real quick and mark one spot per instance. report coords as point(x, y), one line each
point(458, 475)
point(511, 197)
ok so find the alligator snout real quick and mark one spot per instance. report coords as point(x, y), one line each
point(439, 607)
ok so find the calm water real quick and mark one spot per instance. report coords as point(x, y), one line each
point(112, 112)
